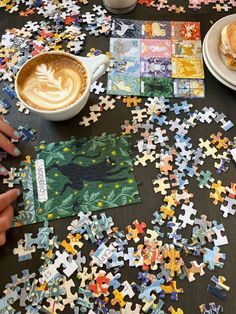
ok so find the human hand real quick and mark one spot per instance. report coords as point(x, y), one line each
point(6, 212)
point(6, 133)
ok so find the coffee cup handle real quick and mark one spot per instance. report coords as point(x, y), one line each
point(96, 66)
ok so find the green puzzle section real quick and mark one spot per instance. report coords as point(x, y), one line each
point(81, 175)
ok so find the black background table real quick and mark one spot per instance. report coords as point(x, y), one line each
point(217, 96)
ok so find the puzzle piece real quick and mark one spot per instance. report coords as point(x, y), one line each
point(74, 240)
point(176, 125)
point(221, 142)
point(208, 150)
point(195, 269)
point(134, 232)
point(223, 164)
point(84, 276)
point(217, 229)
point(186, 218)
point(213, 309)
point(12, 179)
point(206, 115)
point(100, 283)
point(120, 295)
point(116, 260)
point(172, 290)
point(218, 290)
point(22, 108)
point(228, 209)
point(164, 164)
point(107, 102)
point(160, 136)
point(231, 190)
point(54, 306)
point(148, 290)
point(27, 133)
point(204, 179)
point(179, 107)
point(174, 263)
point(175, 226)
point(97, 88)
point(139, 114)
point(129, 308)
point(144, 158)
point(158, 219)
point(132, 101)
point(168, 209)
point(93, 117)
point(130, 128)
point(162, 186)
point(173, 311)
point(220, 281)
point(219, 190)
point(23, 253)
point(212, 258)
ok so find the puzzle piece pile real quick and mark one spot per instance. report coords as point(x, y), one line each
point(99, 281)
point(179, 161)
point(96, 110)
point(219, 6)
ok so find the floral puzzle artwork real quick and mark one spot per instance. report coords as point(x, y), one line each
point(77, 175)
point(154, 58)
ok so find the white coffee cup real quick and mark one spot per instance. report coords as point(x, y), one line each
point(95, 68)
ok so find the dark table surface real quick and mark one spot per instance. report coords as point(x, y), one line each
point(217, 96)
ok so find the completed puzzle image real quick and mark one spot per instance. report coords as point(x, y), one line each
point(156, 58)
point(77, 175)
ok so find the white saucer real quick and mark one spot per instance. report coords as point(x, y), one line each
point(212, 42)
point(212, 70)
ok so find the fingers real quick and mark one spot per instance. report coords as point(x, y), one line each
point(7, 131)
point(2, 238)
point(7, 198)
point(3, 170)
point(6, 218)
point(8, 146)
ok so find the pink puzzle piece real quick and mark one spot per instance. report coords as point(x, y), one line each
point(155, 48)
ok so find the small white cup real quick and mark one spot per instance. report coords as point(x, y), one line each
point(95, 67)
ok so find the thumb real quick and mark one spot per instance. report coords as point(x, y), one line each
point(8, 197)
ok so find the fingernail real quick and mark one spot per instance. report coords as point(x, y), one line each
point(16, 134)
point(17, 152)
point(5, 121)
point(18, 192)
point(3, 170)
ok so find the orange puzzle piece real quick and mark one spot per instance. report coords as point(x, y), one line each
point(219, 189)
point(175, 262)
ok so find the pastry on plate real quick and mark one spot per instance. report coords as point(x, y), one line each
point(228, 45)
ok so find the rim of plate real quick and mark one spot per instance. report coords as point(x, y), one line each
point(213, 52)
point(212, 70)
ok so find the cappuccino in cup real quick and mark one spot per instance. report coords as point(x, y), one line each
point(56, 85)
point(52, 81)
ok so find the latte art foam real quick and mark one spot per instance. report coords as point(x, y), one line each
point(52, 82)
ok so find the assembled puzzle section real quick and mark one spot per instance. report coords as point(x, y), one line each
point(156, 58)
point(77, 175)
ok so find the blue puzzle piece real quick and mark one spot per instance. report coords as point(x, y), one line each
point(154, 287)
point(182, 106)
point(219, 293)
point(9, 91)
point(212, 257)
point(5, 103)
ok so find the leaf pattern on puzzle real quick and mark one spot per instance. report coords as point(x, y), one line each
point(82, 174)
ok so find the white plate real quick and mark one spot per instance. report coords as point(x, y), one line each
point(213, 50)
point(212, 70)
